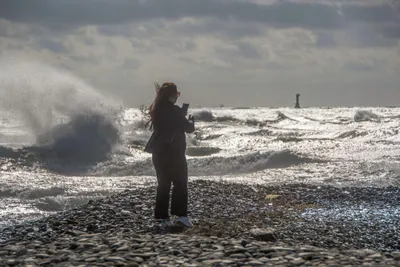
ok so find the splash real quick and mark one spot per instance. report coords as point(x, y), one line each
point(66, 117)
point(365, 115)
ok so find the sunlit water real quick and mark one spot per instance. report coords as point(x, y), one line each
point(310, 146)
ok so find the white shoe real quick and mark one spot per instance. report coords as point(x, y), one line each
point(185, 221)
point(165, 223)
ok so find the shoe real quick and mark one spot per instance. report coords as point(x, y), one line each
point(185, 221)
point(165, 223)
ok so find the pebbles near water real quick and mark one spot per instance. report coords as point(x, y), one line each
point(304, 224)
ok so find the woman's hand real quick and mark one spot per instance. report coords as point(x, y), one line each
point(191, 118)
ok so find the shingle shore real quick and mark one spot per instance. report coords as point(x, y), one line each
point(119, 230)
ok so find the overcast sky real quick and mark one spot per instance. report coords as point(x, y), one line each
point(231, 52)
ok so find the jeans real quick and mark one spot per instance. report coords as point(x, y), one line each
point(171, 168)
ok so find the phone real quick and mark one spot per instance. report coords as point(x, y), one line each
point(185, 108)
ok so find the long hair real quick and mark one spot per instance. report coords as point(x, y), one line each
point(163, 93)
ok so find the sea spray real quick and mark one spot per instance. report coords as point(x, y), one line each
point(66, 117)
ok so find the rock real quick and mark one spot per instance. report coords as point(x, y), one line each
point(143, 255)
point(137, 259)
point(297, 261)
point(264, 234)
point(254, 263)
point(114, 259)
point(73, 246)
point(211, 262)
point(238, 256)
point(42, 256)
point(12, 262)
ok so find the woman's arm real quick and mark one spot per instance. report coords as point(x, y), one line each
point(186, 124)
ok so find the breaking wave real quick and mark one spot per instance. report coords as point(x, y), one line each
point(68, 120)
point(365, 115)
point(213, 165)
point(208, 116)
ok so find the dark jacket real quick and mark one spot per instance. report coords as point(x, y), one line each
point(169, 128)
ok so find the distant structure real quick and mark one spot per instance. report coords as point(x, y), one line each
point(297, 101)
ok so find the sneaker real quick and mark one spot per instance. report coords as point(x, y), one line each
point(165, 223)
point(185, 221)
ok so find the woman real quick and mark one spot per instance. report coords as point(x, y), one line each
point(168, 146)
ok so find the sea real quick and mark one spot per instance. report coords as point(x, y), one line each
point(63, 143)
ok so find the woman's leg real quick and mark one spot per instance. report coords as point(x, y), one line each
point(179, 201)
point(163, 187)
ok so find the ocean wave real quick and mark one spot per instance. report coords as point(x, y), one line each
point(211, 165)
point(208, 116)
point(204, 115)
point(248, 163)
point(365, 115)
point(33, 193)
point(352, 134)
point(339, 121)
point(201, 151)
point(70, 148)
point(71, 123)
point(60, 203)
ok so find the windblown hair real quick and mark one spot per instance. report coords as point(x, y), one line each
point(163, 93)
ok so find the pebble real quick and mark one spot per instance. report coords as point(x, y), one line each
point(225, 232)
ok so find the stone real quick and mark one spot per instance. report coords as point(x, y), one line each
point(114, 259)
point(255, 263)
point(211, 262)
point(143, 255)
point(297, 261)
point(137, 259)
point(238, 256)
point(264, 234)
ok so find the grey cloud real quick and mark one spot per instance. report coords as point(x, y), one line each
point(186, 45)
point(84, 59)
point(129, 29)
point(54, 46)
point(369, 13)
point(325, 40)
point(391, 31)
point(15, 46)
point(131, 63)
point(367, 36)
point(271, 65)
point(60, 14)
point(360, 66)
point(232, 30)
point(248, 50)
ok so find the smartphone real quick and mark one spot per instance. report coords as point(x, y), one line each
point(185, 108)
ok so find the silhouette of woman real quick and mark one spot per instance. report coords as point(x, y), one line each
point(168, 146)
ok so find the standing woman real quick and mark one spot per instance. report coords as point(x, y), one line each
point(168, 147)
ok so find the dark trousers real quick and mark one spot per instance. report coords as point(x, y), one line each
point(171, 168)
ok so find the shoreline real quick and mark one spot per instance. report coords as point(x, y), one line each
point(301, 219)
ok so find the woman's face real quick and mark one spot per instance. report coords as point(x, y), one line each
point(174, 97)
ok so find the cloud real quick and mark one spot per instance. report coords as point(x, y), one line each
point(364, 65)
point(391, 31)
point(211, 47)
point(54, 46)
point(325, 40)
point(59, 14)
point(131, 63)
point(232, 29)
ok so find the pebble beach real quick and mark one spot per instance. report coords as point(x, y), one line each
point(235, 225)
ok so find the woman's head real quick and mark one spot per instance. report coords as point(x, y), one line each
point(167, 92)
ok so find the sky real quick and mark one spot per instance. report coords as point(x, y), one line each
point(218, 52)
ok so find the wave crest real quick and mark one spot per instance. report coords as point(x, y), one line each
point(365, 115)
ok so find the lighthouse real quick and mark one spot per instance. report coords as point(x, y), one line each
point(297, 101)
